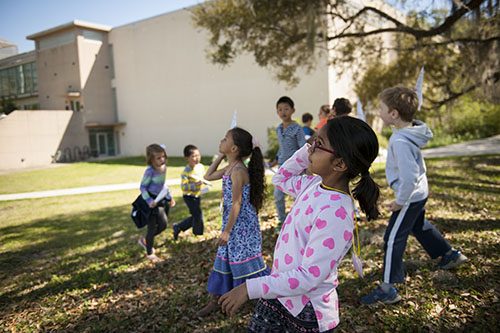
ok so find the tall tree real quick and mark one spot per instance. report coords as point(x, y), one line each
point(284, 35)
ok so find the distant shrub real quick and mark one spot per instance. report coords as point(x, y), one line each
point(474, 118)
point(272, 143)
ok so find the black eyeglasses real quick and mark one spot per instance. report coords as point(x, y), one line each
point(316, 145)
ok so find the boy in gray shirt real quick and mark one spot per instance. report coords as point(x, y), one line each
point(406, 174)
point(290, 138)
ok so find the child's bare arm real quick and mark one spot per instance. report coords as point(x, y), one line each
point(238, 181)
point(212, 172)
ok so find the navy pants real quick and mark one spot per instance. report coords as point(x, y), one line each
point(195, 221)
point(410, 219)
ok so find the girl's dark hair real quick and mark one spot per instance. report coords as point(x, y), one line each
point(154, 149)
point(243, 140)
point(356, 143)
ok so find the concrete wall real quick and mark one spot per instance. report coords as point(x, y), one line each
point(168, 92)
point(95, 79)
point(82, 66)
point(58, 72)
point(31, 138)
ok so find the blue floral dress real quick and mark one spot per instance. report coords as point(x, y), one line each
point(241, 258)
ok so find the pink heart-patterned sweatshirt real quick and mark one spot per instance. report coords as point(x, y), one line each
point(314, 238)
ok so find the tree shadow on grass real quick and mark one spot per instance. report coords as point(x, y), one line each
point(89, 268)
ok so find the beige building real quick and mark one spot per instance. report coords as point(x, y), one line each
point(74, 70)
point(150, 81)
point(168, 92)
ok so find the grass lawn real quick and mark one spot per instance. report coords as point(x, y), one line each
point(115, 171)
point(72, 263)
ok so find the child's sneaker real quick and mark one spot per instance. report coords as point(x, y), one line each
point(142, 242)
point(177, 230)
point(378, 295)
point(153, 258)
point(452, 260)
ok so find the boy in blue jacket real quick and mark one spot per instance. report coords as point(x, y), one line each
point(406, 175)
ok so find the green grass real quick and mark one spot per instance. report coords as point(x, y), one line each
point(114, 171)
point(72, 263)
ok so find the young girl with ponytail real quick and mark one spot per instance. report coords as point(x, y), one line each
point(239, 255)
point(300, 294)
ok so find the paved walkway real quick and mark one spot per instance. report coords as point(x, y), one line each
point(78, 190)
point(470, 148)
point(477, 147)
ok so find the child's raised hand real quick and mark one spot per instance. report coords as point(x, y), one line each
point(172, 203)
point(234, 299)
point(223, 238)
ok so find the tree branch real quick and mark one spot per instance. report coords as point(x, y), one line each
point(446, 42)
point(495, 77)
point(403, 28)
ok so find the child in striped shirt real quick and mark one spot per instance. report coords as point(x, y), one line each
point(191, 185)
point(157, 195)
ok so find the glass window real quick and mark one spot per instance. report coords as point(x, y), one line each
point(20, 89)
point(112, 60)
point(58, 40)
point(75, 105)
point(92, 35)
point(111, 143)
point(102, 141)
point(34, 75)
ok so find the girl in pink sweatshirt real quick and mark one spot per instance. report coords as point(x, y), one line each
point(300, 294)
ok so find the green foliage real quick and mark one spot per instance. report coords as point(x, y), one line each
point(7, 105)
point(287, 35)
point(272, 144)
point(383, 137)
point(480, 119)
point(467, 119)
point(281, 34)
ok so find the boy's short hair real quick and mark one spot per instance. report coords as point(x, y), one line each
point(285, 99)
point(306, 117)
point(188, 150)
point(342, 106)
point(402, 99)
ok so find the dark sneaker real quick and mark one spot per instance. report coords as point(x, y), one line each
point(452, 260)
point(378, 295)
point(177, 230)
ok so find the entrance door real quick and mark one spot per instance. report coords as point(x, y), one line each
point(102, 144)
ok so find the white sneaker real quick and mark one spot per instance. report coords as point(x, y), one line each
point(154, 258)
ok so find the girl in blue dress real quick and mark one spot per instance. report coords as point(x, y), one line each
point(239, 255)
